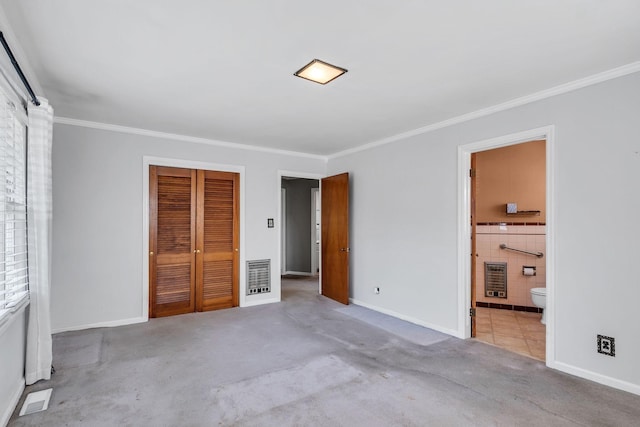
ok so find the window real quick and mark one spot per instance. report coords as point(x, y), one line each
point(14, 277)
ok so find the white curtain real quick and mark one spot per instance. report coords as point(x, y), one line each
point(39, 213)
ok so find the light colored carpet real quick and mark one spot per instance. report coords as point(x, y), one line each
point(409, 331)
point(75, 350)
point(308, 361)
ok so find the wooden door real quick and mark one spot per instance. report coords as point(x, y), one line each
point(217, 245)
point(335, 237)
point(172, 238)
point(474, 254)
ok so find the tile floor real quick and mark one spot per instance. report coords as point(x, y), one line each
point(517, 331)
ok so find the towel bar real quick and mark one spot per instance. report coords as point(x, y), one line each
point(536, 254)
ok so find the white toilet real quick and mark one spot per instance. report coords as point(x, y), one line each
point(539, 298)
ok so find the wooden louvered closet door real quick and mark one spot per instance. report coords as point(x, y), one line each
point(217, 241)
point(172, 238)
point(194, 235)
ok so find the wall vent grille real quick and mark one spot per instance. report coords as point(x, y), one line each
point(495, 279)
point(258, 276)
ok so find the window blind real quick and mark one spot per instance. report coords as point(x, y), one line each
point(14, 277)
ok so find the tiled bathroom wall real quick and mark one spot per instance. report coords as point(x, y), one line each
point(525, 237)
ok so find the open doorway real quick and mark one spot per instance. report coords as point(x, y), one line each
point(466, 248)
point(300, 225)
point(331, 232)
point(508, 234)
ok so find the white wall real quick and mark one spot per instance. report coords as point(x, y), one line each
point(98, 210)
point(12, 356)
point(404, 230)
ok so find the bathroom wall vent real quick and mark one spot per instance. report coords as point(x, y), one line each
point(258, 276)
point(495, 279)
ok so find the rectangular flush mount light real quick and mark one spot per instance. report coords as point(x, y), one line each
point(320, 72)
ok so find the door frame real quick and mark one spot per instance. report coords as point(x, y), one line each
point(315, 262)
point(188, 164)
point(294, 174)
point(464, 227)
point(283, 231)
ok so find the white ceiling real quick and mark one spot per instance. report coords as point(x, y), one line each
point(223, 70)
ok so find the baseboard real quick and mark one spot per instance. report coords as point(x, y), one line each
point(298, 273)
point(260, 302)
point(511, 307)
point(109, 324)
point(595, 377)
point(13, 403)
point(409, 319)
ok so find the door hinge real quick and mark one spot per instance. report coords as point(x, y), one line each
point(472, 312)
point(472, 173)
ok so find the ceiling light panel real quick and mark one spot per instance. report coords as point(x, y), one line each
point(320, 72)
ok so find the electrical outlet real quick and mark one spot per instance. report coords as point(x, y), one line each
point(376, 290)
point(607, 345)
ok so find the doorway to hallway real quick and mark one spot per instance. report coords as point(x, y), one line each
point(327, 246)
point(299, 222)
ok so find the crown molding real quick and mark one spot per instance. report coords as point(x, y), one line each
point(178, 137)
point(624, 70)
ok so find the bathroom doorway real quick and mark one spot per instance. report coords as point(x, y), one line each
point(468, 248)
point(508, 234)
